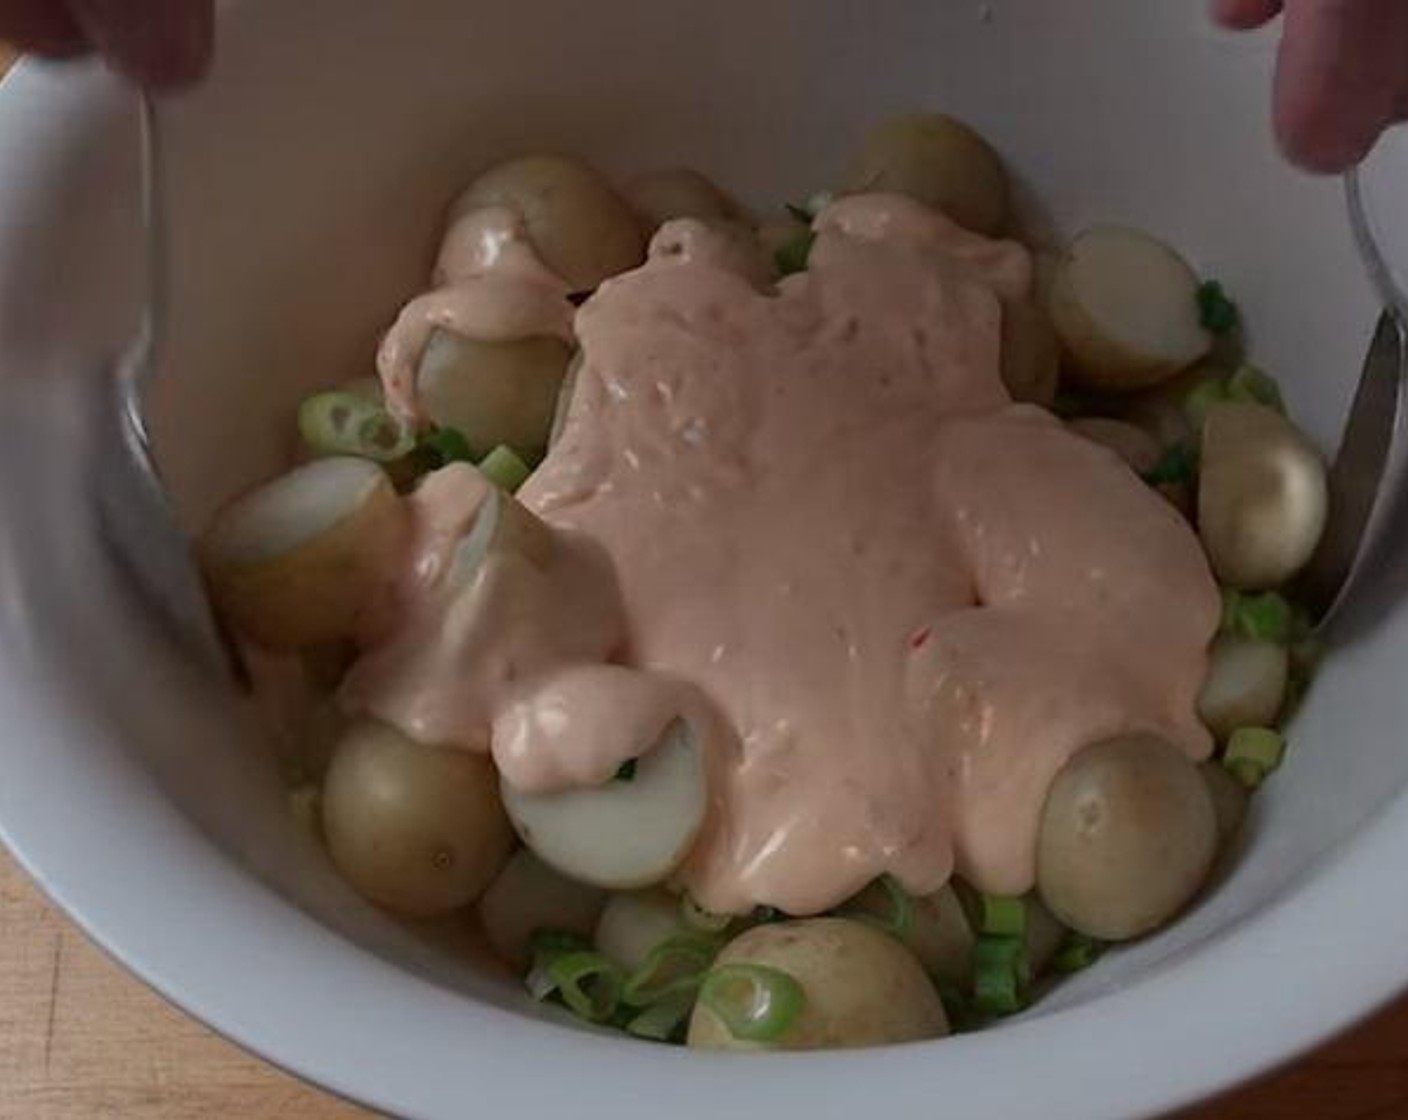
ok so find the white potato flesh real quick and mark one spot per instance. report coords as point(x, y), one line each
point(414, 828)
point(529, 897)
point(1262, 496)
point(861, 987)
point(939, 934)
point(624, 834)
point(680, 192)
point(1031, 354)
point(493, 393)
point(1132, 444)
point(1125, 307)
point(580, 226)
point(939, 161)
point(1246, 684)
point(298, 561)
point(635, 923)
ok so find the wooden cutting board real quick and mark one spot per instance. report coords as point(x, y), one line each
point(81, 1038)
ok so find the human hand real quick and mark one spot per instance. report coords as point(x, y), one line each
point(1342, 74)
point(161, 44)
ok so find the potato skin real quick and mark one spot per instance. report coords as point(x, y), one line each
point(1127, 837)
point(414, 828)
point(939, 161)
point(862, 987)
point(528, 896)
point(582, 229)
point(679, 192)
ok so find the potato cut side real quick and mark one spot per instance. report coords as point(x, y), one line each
point(493, 393)
point(298, 561)
point(1125, 306)
point(529, 897)
point(625, 834)
point(1262, 496)
point(1246, 684)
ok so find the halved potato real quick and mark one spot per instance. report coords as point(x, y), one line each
point(1125, 307)
point(1262, 496)
point(529, 897)
point(859, 987)
point(1246, 684)
point(680, 192)
point(298, 561)
point(1031, 354)
point(624, 834)
point(493, 393)
point(939, 934)
point(581, 228)
point(414, 828)
point(939, 161)
point(636, 922)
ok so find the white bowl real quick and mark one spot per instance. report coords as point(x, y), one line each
point(308, 182)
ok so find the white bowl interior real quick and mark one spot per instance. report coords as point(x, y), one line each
point(308, 182)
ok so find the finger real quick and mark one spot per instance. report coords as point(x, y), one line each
point(1243, 15)
point(163, 44)
point(42, 27)
point(1342, 69)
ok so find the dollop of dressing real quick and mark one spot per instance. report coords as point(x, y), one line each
point(906, 600)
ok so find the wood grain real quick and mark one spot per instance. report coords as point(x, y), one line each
point(81, 1038)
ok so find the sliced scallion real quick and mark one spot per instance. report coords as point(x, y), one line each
point(1252, 753)
point(1216, 311)
point(342, 423)
point(1077, 952)
point(999, 974)
point(1177, 465)
point(1003, 916)
point(792, 255)
point(897, 917)
point(588, 983)
point(661, 1021)
point(676, 963)
point(756, 1003)
point(447, 445)
point(1202, 397)
point(1250, 384)
point(1263, 617)
point(504, 469)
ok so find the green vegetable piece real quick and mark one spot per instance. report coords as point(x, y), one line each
point(1264, 617)
point(1201, 398)
point(1252, 386)
point(1179, 464)
point(588, 983)
point(626, 772)
point(343, 423)
point(1077, 952)
point(755, 1002)
point(792, 255)
point(677, 963)
point(504, 469)
point(999, 974)
point(664, 1020)
point(1216, 311)
point(898, 919)
point(1003, 916)
point(1253, 753)
point(448, 445)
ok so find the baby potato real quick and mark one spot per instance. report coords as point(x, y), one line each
point(680, 192)
point(1230, 801)
point(939, 161)
point(636, 922)
point(939, 933)
point(1127, 836)
point(581, 228)
point(1262, 496)
point(1132, 444)
point(1246, 684)
point(1031, 356)
point(493, 393)
point(298, 561)
point(1044, 935)
point(1125, 307)
point(414, 828)
point(860, 987)
point(529, 896)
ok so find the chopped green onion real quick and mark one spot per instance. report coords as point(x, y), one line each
point(1000, 971)
point(1003, 916)
point(792, 255)
point(897, 919)
point(588, 983)
point(755, 1002)
point(675, 963)
point(448, 445)
point(695, 917)
point(547, 947)
point(1253, 753)
point(1178, 464)
point(1264, 617)
point(626, 772)
point(1255, 387)
point(1077, 952)
point(343, 423)
point(1216, 311)
point(504, 469)
point(661, 1021)
point(1202, 397)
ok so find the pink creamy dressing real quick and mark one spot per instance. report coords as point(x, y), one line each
point(892, 602)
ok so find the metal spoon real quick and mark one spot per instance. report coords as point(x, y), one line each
point(1358, 478)
point(137, 522)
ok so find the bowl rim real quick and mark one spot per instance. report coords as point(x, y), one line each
point(425, 1050)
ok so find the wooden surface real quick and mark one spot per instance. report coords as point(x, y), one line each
point(80, 1038)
